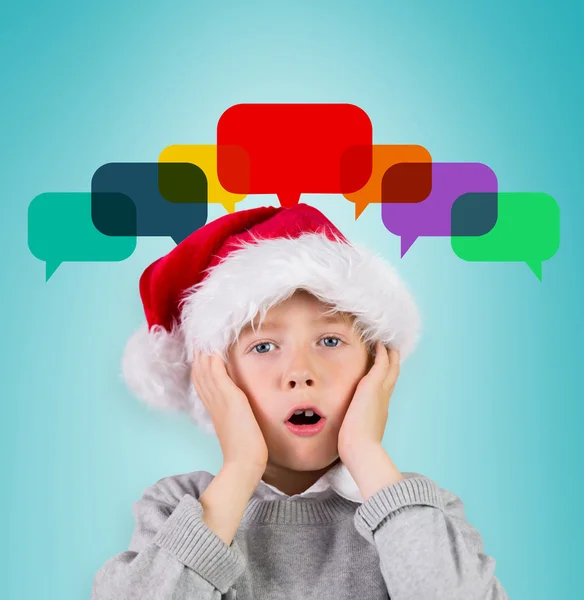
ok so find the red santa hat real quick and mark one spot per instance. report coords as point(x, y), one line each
point(202, 293)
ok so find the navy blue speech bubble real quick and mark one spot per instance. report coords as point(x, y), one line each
point(170, 199)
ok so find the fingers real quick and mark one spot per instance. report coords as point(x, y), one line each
point(393, 367)
point(387, 364)
point(203, 375)
point(204, 368)
point(380, 355)
point(394, 358)
point(210, 377)
point(382, 362)
point(199, 374)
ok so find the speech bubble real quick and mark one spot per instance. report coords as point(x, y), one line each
point(290, 149)
point(205, 157)
point(170, 199)
point(60, 230)
point(432, 216)
point(407, 182)
point(527, 230)
point(402, 187)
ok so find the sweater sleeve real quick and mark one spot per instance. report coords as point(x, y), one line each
point(173, 554)
point(427, 548)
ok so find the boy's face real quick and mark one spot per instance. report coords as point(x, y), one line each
point(294, 358)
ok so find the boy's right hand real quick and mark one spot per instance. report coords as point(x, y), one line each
point(240, 436)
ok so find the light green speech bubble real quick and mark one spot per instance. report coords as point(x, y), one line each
point(60, 229)
point(527, 230)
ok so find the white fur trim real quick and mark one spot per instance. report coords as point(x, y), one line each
point(250, 280)
point(154, 367)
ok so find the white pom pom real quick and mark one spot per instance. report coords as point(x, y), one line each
point(154, 367)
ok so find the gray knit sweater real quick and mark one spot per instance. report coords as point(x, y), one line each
point(408, 541)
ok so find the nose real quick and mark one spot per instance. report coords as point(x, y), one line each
point(300, 378)
point(300, 373)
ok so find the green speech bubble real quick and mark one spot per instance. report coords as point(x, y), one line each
point(60, 229)
point(527, 230)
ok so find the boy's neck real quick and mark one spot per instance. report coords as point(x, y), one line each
point(293, 482)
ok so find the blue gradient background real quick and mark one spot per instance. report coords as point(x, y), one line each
point(490, 404)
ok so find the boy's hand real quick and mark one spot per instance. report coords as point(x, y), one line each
point(240, 436)
point(366, 417)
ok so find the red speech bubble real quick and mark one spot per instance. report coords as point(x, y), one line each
point(290, 149)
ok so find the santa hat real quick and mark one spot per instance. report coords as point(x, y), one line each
point(201, 294)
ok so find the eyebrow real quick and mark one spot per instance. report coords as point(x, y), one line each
point(276, 326)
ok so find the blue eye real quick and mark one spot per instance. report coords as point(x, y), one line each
point(327, 337)
point(262, 344)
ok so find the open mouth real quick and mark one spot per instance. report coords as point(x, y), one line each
point(307, 417)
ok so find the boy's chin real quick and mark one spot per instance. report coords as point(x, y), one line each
point(313, 463)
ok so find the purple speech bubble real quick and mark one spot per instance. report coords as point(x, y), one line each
point(432, 216)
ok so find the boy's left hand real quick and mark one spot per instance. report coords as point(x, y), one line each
point(364, 422)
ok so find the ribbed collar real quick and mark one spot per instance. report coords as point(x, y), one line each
point(331, 498)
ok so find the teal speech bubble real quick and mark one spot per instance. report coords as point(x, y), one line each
point(60, 229)
point(527, 230)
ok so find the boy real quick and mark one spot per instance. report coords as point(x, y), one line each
point(307, 504)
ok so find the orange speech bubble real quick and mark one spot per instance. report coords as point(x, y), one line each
point(386, 156)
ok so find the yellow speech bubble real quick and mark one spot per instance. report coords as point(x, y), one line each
point(205, 157)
